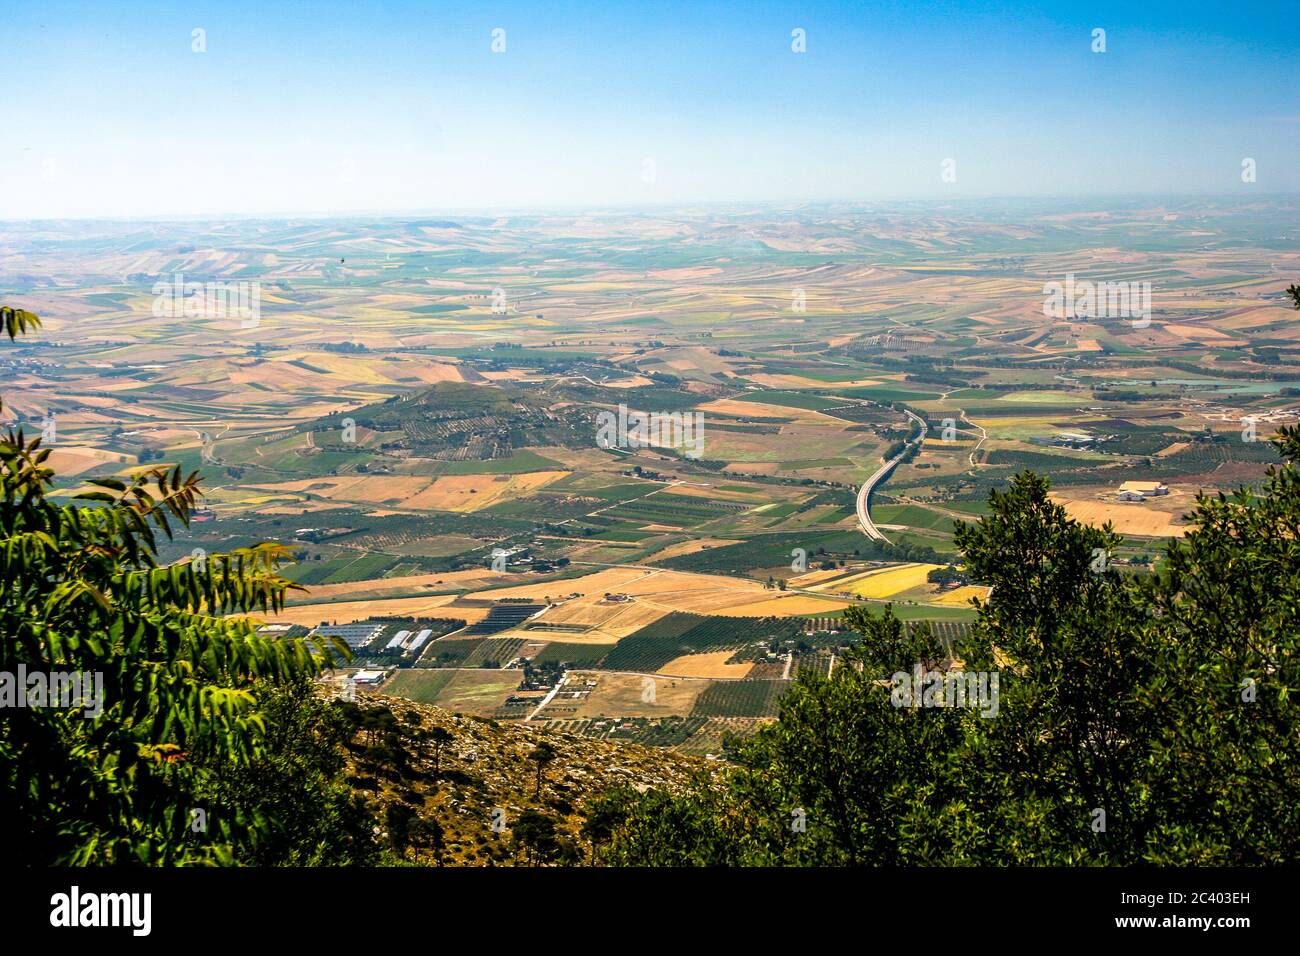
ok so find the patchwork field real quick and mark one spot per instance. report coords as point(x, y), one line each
point(422, 454)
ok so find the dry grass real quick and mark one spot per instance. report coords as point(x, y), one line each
point(1152, 519)
point(713, 664)
point(783, 605)
point(690, 547)
point(346, 612)
point(468, 493)
point(623, 695)
point(443, 581)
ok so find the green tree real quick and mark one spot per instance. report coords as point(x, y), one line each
point(178, 664)
point(440, 737)
point(534, 833)
point(1140, 719)
point(542, 755)
point(314, 817)
point(603, 817)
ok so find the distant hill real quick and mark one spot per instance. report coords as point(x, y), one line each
point(463, 421)
point(460, 421)
point(431, 224)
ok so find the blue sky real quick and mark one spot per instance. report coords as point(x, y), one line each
point(396, 107)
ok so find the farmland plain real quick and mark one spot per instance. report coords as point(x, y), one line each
point(416, 412)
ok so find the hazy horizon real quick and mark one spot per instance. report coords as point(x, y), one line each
point(1048, 203)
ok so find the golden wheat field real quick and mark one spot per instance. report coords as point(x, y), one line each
point(713, 664)
point(1136, 518)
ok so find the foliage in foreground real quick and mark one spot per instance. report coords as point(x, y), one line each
point(1139, 720)
point(182, 718)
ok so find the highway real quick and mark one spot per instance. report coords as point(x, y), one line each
point(864, 494)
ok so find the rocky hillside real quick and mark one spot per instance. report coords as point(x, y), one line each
point(461, 802)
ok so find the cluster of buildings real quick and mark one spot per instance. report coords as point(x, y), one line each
point(1078, 440)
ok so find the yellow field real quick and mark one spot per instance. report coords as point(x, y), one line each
point(74, 460)
point(345, 612)
point(360, 488)
point(613, 580)
point(713, 664)
point(300, 507)
point(709, 491)
point(960, 597)
point(590, 611)
point(467, 493)
point(780, 605)
point(883, 582)
point(608, 623)
point(727, 406)
point(627, 621)
point(690, 547)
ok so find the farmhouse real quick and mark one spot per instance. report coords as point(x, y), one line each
point(1141, 490)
